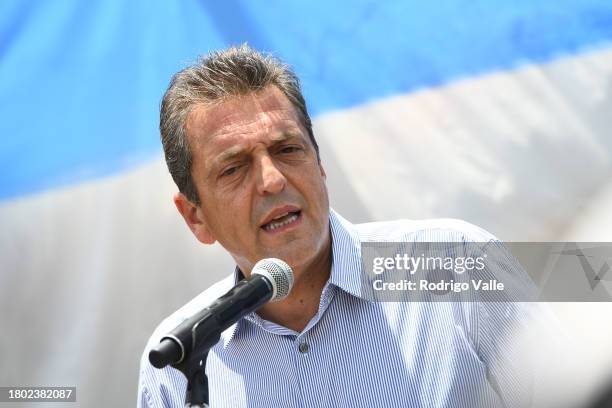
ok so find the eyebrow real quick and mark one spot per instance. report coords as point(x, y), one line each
point(236, 151)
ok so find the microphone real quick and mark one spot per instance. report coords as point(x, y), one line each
point(271, 280)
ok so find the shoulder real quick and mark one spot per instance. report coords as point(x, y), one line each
point(434, 230)
point(165, 387)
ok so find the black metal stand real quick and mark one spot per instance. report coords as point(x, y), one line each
point(196, 395)
point(194, 369)
point(189, 343)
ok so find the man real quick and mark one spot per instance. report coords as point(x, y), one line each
point(239, 144)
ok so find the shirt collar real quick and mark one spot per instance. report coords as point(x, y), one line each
point(346, 271)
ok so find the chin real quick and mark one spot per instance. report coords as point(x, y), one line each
point(292, 255)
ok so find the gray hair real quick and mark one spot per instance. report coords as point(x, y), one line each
point(222, 74)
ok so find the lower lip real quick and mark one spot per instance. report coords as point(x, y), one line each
point(286, 227)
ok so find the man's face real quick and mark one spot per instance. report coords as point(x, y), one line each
point(261, 187)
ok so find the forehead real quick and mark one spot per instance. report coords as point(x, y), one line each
point(252, 114)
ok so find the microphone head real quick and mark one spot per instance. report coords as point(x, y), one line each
point(278, 273)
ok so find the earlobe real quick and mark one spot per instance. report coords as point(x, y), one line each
point(194, 218)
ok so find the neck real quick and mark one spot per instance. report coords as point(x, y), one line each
point(295, 311)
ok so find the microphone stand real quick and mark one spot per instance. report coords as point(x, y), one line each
point(194, 369)
point(196, 395)
point(198, 334)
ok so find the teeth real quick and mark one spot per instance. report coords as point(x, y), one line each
point(274, 225)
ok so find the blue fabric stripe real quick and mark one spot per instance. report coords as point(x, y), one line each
point(81, 82)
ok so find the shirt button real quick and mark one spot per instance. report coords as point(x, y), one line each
point(303, 348)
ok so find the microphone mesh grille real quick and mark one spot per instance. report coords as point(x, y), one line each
point(281, 274)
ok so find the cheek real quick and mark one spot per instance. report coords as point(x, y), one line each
point(236, 211)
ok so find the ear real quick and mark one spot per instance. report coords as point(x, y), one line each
point(194, 217)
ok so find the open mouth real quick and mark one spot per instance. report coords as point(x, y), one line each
point(283, 221)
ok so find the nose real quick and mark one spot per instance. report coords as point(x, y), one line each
point(271, 179)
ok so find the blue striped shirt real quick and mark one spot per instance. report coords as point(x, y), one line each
point(356, 352)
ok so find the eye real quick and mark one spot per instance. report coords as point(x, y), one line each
point(229, 171)
point(290, 149)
